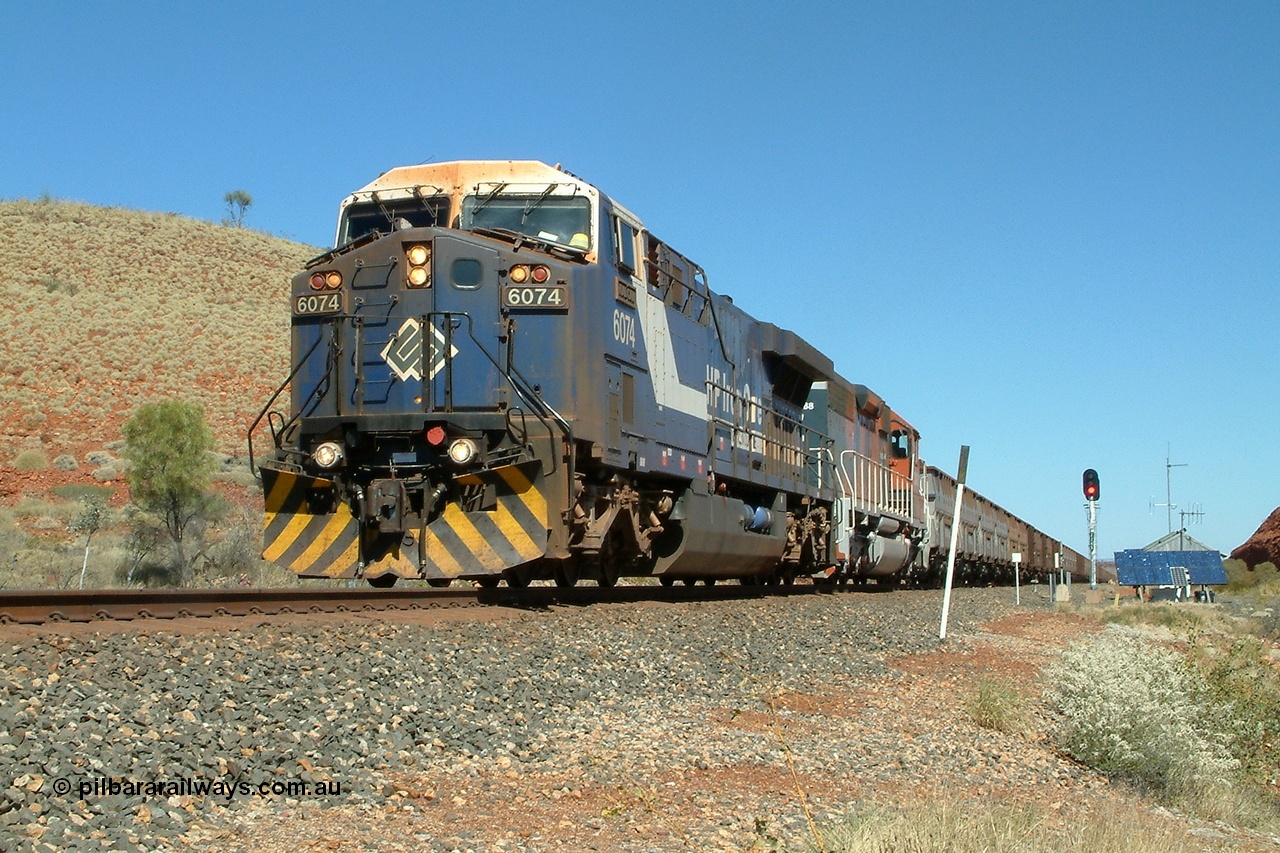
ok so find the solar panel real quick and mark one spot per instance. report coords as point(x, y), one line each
point(1136, 567)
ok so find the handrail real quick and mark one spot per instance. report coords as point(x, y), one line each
point(766, 441)
point(877, 486)
point(252, 469)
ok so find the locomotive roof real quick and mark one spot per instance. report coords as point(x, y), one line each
point(464, 175)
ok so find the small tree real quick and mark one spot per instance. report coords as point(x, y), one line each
point(238, 202)
point(167, 444)
point(93, 514)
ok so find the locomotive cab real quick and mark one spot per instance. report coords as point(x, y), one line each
point(425, 436)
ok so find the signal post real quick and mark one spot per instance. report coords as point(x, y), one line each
point(1092, 490)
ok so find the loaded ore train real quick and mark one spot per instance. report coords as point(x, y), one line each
point(500, 374)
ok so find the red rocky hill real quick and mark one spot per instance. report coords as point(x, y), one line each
point(1264, 545)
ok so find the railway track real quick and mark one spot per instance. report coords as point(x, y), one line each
point(35, 607)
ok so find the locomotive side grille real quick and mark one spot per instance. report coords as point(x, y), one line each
point(460, 542)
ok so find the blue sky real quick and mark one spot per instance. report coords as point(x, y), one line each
point(1045, 230)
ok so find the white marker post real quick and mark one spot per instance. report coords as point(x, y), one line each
point(1017, 586)
point(955, 535)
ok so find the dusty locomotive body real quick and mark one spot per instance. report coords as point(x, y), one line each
point(499, 373)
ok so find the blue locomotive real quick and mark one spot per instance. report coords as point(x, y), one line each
point(500, 374)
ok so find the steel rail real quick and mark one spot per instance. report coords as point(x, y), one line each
point(35, 607)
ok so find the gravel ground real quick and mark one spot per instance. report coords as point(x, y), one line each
point(713, 726)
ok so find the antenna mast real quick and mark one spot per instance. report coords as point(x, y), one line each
point(1194, 514)
point(1168, 485)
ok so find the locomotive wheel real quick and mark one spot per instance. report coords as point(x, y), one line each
point(608, 574)
point(710, 581)
point(489, 582)
point(517, 578)
point(666, 580)
point(566, 575)
point(384, 581)
point(439, 583)
point(690, 581)
point(607, 561)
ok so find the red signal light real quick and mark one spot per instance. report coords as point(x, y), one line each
point(1092, 488)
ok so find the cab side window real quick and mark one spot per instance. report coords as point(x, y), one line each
point(625, 244)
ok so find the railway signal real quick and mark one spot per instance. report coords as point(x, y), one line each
point(1092, 489)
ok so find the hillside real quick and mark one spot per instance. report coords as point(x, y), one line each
point(1264, 545)
point(106, 308)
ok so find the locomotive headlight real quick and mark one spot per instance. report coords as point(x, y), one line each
point(328, 455)
point(418, 271)
point(317, 281)
point(462, 451)
point(541, 274)
point(518, 274)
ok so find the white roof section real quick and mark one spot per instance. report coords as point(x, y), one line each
point(462, 177)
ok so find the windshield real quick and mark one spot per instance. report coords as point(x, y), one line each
point(367, 217)
point(557, 219)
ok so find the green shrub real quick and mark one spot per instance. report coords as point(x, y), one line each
point(1246, 689)
point(12, 541)
point(234, 559)
point(31, 460)
point(1266, 575)
point(106, 474)
point(1139, 711)
point(1239, 576)
point(29, 507)
point(54, 284)
point(82, 492)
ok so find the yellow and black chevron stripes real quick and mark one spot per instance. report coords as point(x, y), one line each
point(305, 529)
point(483, 542)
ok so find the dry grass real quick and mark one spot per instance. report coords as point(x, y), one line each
point(998, 828)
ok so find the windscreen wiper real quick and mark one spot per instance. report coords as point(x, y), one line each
point(537, 202)
point(480, 205)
